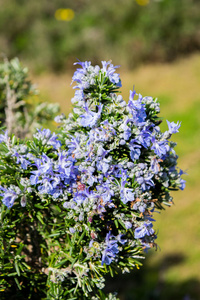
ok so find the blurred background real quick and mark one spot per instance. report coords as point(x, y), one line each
point(51, 35)
point(157, 44)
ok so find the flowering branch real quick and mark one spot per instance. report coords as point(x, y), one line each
point(92, 187)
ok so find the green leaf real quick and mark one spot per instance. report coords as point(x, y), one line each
point(39, 216)
point(81, 237)
point(17, 268)
point(116, 223)
point(17, 282)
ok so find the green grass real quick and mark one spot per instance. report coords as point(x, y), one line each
point(173, 271)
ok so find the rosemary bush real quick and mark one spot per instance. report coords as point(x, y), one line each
point(21, 109)
point(78, 204)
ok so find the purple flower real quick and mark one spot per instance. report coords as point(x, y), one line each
point(173, 128)
point(72, 230)
point(79, 95)
point(45, 187)
point(79, 74)
point(127, 194)
point(155, 166)
point(4, 137)
point(137, 109)
point(160, 147)
point(128, 224)
point(21, 160)
point(109, 69)
point(144, 137)
point(144, 230)
point(105, 193)
point(120, 239)
point(90, 118)
point(10, 195)
point(59, 118)
point(103, 165)
point(81, 195)
point(145, 181)
point(127, 130)
point(111, 250)
point(48, 138)
point(87, 175)
point(182, 184)
point(135, 150)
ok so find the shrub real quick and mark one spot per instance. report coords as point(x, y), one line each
point(21, 110)
point(79, 204)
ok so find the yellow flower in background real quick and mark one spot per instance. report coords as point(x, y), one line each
point(64, 14)
point(142, 2)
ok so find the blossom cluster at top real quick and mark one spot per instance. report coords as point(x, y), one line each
point(109, 164)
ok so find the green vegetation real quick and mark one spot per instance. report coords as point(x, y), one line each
point(131, 35)
point(78, 205)
point(172, 272)
point(21, 110)
point(120, 30)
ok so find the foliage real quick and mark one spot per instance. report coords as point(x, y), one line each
point(159, 31)
point(21, 110)
point(78, 204)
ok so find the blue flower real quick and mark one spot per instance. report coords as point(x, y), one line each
point(9, 195)
point(44, 165)
point(144, 137)
point(87, 175)
point(135, 150)
point(80, 195)
point(111, 250)
point(126, 129)
point(140, 205)
point(4, 137)
point(90, 118)
point(173, 128)
point(109, 70)
point(59, 118)
point(137, 109)
point(155, 166)
point(103, 165)
point(145, 181)
point(72, 230)
point(127, 194)
point(79, 74)
point(45, 186)
point(120, 239)
point(128, 224)
point(48, 138)
point(21, 160)
point(181, 184)
point(160, 147)
point(105, 193)
point(101, 151)
point(79, 95)
point(75, 147)
point(144, 230)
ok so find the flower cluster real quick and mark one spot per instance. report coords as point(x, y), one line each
point(124, 160)
point(109, 166)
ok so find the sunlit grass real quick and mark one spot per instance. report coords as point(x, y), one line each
point(177, 88)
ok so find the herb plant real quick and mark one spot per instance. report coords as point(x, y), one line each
point(79, 203)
